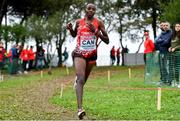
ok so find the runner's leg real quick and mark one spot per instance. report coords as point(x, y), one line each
point(88, 70)
point(80, 67)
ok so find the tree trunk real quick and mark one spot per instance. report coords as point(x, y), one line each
point(59, 55)
point(3, 10)
point(122, 53)
point(6, 31)
point(154, 16)
point(37, 43)
point(6, 43)
point(140, 45)
point(50, 58)
point(120, 33)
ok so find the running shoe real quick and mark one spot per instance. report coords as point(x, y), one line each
point(81, 114)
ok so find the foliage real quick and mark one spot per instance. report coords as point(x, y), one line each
point(171, 12)
point(4, 32)
point(36, 28)
point(15, 33)
point(18, 33)
point(25, 8)
point(152, 8)
point(52, 25)
point(3, 9)
point(105, 12)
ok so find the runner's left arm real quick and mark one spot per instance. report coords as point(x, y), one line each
point(103, 34)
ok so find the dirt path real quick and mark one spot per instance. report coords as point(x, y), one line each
point(38, 98)
point(32, 102)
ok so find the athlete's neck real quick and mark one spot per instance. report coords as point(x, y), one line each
point(88, 18)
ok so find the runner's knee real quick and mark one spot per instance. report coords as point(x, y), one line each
point(80, 79)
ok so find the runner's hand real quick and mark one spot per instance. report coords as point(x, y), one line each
point(69, 26)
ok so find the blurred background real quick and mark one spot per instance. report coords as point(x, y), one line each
point(43, 23)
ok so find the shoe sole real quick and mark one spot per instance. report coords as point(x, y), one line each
point(81, 115)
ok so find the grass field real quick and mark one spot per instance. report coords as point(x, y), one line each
point(32, 97)
point(122, 98)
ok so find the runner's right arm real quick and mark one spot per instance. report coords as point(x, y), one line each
point(70, 28)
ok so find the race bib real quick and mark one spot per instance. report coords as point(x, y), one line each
point(88, 43)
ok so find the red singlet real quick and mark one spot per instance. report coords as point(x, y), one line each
point(86, 40)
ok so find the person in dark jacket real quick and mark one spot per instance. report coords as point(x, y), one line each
point(162, 43)
point(118, 56)
point(112, 55)
point(65, 54)
point(40, 56)
point(13, 66)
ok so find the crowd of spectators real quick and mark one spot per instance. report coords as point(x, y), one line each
point(21, 59)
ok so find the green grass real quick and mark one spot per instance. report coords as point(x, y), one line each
point(119, 99)
point(19, 81)
point(13, 105)
point(107, 100)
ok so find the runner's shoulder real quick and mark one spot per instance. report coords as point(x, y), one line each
point(100, 22)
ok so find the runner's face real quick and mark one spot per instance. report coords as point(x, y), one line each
point(90, 10)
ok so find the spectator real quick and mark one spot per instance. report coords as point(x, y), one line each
point(20, 62)
point(126, 50)
point(148, 55)
point(65, 54)
point(118, 56)
point(24, 57)
point(31, 56)
point(175, 55)
point(112, 55)
point(162, 25)
point(13, 59)
point(148, 45)
point(2, 56)
point(40, 58)
point(162, 43)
